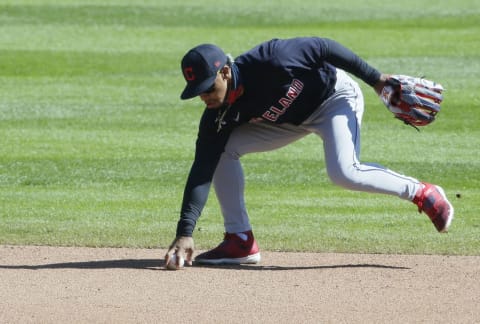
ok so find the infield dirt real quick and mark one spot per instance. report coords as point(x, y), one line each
point(93, 285)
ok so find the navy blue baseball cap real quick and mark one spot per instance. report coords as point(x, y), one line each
point(200, 67)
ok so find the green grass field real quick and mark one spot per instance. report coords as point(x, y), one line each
point(95, 144)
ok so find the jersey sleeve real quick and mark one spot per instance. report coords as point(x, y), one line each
point(209, 147)
point(343, 58)
point(307, 52)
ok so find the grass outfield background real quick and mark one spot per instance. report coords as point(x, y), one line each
point(95, 144)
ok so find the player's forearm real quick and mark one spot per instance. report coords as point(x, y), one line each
point(198, 185)
point(193, 202)
point(343, 58)
point(195, 195)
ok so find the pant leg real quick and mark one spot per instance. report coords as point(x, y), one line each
point(229, 180)
point(338, 122)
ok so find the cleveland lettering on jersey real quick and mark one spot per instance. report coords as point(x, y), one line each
point(273, 113)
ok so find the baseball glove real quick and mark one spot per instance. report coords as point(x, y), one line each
point(415, 101)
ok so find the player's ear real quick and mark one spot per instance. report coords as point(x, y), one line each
point(226, 72)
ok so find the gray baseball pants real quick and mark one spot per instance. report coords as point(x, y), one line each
point(337, 121)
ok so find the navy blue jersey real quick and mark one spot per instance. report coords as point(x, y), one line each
point(284, 81)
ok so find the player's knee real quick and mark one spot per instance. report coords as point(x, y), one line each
point(344, 176)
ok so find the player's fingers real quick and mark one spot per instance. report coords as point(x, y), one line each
point(188, 259)
point(169, 254)
point(177, 261)
point(182, 254)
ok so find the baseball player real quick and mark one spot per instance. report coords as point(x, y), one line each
point(270, 96)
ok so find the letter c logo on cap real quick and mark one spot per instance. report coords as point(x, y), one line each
point(188, 72)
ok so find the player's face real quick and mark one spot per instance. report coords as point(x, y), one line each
point(215, 96)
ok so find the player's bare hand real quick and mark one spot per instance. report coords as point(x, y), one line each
point(183, 247)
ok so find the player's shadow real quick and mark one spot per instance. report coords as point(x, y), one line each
point(152, 264)
point(159, 264)
point(277, 268)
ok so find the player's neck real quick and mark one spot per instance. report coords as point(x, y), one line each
point(235, 86)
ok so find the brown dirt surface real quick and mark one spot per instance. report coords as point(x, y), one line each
point(106, 285)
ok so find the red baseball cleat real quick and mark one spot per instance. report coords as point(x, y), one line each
point(233, 250)
point(432, 201)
